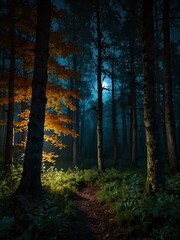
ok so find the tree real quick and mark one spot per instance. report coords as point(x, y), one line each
point(2, 108)
point(75, 115)
point(30, 183)
point(168, 107)
point(10, 116)
point(133, 107)
point(99, 84)
point(114, 123)
point(57, 94)
point(150, 121)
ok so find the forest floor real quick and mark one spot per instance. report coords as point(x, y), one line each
point(92, 220)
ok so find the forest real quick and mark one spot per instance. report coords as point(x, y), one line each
point(89, 119)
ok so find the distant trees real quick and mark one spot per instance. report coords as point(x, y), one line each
point(76, 24)
point(128, 74)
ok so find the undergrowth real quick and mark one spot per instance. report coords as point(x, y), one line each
point(23, 218)
point(139, 216)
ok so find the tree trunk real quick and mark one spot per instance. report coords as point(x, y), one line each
point(10, 114)
point(24, 105)
point(2, 107)
point(75, 115)
point(99, 83)
point(169, 118)
point(158, 87)
point(82, 130)
point(30, 183)
point(124, 121)
point(76, 128)
point(153, 165)
point(133, 113)
point(114, 127)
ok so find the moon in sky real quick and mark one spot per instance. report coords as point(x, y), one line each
point(104, 84)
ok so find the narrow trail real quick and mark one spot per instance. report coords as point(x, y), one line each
point(93, 220)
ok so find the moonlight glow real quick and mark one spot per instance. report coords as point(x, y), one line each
point(104, 84)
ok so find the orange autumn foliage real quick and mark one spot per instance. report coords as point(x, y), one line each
point(56, 124)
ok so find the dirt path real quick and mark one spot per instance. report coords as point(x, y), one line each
point(93, 220)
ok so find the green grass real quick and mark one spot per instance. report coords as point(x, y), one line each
point(139, 216)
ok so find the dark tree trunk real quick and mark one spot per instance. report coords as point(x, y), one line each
point(10, 114)
point(75, 115)
point(114, 127)
point(153, 163)
point(124, 121)
point(158, 82)
point(169, 118)
point(30, 183)
point(24, 105)
point(99, 83)
point(82, 130)
point(133, 113)
point(2, 107)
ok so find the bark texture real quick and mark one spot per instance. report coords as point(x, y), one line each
point(31, 182)
point(150, 121)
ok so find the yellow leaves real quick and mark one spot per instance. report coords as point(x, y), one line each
point(55, 123)
point(57, 118)
point(57, 95)
point(49, 157)
point(54, 141)
point(22, 126)
point(54, 97)
point(22, 144)
point(69, 103)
